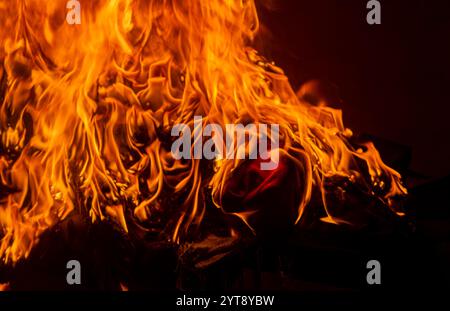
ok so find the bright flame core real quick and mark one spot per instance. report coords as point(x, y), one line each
point(86, 111)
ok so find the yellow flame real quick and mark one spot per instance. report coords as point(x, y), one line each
point(84, 109)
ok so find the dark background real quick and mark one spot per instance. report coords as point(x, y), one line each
point(393, 78)
point(393, 81)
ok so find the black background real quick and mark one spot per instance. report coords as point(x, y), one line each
point(393, 78)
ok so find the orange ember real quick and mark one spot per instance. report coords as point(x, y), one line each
point(86, 112)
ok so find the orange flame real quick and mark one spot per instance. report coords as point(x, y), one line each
point(85, 111)
point(4, 287)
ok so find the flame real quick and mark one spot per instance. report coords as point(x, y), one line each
point(4, 287)
point(85, 112)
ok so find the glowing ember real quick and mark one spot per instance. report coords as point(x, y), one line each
point(86, 113)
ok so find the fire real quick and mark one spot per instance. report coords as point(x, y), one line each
point(86, 113)
point(4, 287)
